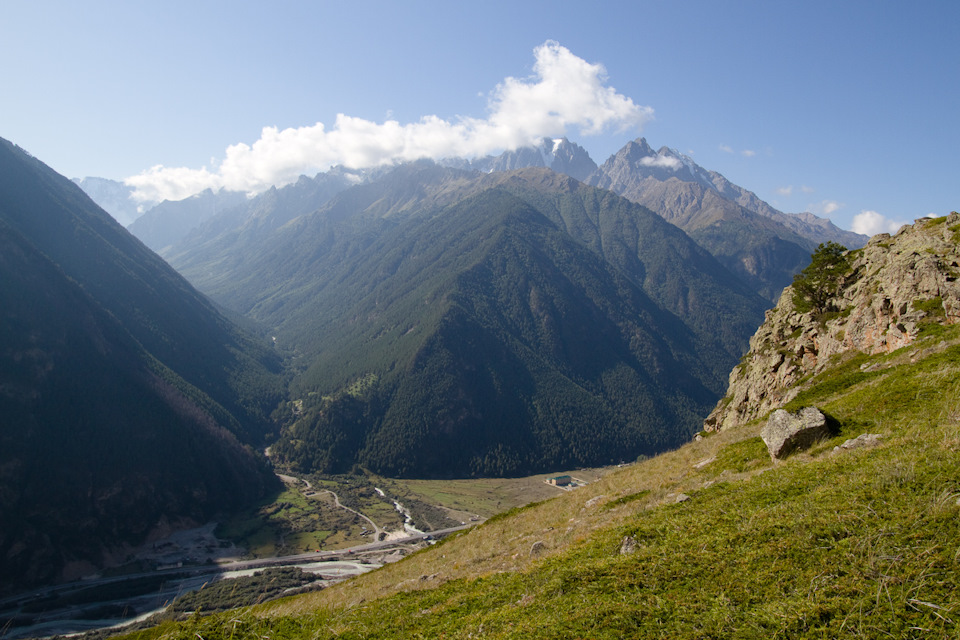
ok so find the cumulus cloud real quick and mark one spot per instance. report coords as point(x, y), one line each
point(784, 191)
point(564, 92)
point(870, 223)
point(665, 162)
point(726, 148)
point(824, 207)
point(748, 153)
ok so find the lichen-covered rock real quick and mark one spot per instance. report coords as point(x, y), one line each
point(861, 441)
point(786, 432)
point(628, 545)
point(894, 285)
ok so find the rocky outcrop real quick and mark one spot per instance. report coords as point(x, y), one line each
point(786, 432)
point(894, 286)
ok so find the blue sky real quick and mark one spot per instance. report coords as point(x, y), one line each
point(839, 108)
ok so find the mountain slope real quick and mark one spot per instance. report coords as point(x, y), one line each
point(888, 293)
point(126, 400)
point(100, 444)
point(531, 354)
point(711, 540)
point(168, 317)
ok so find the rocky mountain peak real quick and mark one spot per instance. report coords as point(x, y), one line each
point(892, 288)
point(558, 154)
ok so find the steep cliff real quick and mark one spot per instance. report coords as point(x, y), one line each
point(889, 292)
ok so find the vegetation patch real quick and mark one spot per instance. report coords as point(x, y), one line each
point(243, 591)
point(739, 457)
point(932, 307)
point(630, 497)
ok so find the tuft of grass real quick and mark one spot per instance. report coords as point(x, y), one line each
point(739, 457)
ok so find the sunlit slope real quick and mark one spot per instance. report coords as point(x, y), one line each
point(711, 540)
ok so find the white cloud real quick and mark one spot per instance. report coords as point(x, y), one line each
point(824, 207)
point(871, 223)
point(748, 153)
point(726, 148)
point(666, 162)
point(807, 189)
point(564, 92)
point(784, 191)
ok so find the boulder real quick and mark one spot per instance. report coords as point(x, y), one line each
point(787, 432)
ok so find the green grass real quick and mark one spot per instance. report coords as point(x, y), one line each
point(859, 544)
point(740, 456)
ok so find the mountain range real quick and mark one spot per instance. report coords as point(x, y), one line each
point(340, 268)
point(493, 317)
point(762, 245)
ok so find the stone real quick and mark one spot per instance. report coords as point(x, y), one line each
point(538, 547)
point(592, 502)
point(628, 545)
point(863, 440)
point(787, 432)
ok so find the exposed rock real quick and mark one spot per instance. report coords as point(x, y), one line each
point(895, 284)
point(705, 462)
point(863, 440)
point(592, 502)
point(537, 548)
point(786, 432)
point(682, 497)
point(628, 545)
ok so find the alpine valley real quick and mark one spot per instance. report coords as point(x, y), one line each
point(487, 317)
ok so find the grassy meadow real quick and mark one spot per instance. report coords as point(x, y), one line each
point(861, 543)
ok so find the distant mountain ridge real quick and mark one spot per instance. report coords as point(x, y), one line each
point(762, 245)
point(114, 197)
point(558, 154)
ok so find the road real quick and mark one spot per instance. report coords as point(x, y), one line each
point(332, 565)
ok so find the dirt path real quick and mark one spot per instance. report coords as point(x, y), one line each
point(336, 500)
point(312, 493)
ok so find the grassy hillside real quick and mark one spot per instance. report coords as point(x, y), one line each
point(858, 543)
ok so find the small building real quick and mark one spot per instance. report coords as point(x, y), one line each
point(560, 481)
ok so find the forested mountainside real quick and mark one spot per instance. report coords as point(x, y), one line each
point(455, 323)
point(127, 402)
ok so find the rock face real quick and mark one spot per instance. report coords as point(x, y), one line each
point(894, 285)
point(786, 432)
